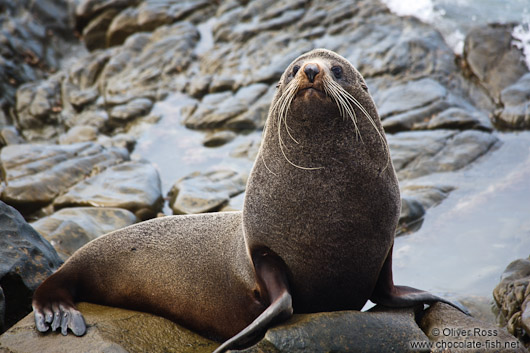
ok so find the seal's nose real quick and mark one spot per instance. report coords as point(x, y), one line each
point(311, 70)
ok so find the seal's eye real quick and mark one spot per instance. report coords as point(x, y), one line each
point(295, 69)
point(337, 71)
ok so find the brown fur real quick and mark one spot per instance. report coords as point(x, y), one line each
point(194, 270)
point(333, 225)
point(316, 232)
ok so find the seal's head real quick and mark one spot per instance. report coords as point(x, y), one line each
point(323, 89)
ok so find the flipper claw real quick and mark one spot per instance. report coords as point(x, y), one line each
point(62, 316)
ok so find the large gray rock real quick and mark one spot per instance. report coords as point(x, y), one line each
point(130, 110)
point(217, 108)
point(380, 330)
point(34, 36)
point(109, 330)
point(26, 259)
point(415, 201)
point(457, 118)
point(150, 15)
point(205, 192)
point(491, 57)
point(167, 52)
point(70, 228)
point(36, 174)
point(134, 186)
point(452, 331)
point(80, 133)
point(512, 297)
point(38, 107)
point(516, 100)
point(420, 153)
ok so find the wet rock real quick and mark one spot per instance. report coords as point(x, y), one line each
point(403, 105)
point(123, 141)
point(491, 57)
point(457, 118)
point(248, 149)
point(80, 98)
point(34, 36)
point(516, 101)
point(269, 69)
point(134, 186)
point(427, 195)
point(35, 174)
point(81, 133)
point(159, 56)
point(218, 138)
point(198, 193)
point(512, 298)
point(416, 154)
point(95, 33)
point(452, 331)
point(148, 16)
point(384, 44)
point(38, 107)
point(26, 259)
point(383, 330)
point(84, 73)
point(87, 9)
point(415, 201)
point(411, 216)
point(9, 136)
point(217, 108)
point(122, 26)
point(95, 118)
point(255, 116)
point(479, 306)
point(109, 330)
point(199, 86)
point(135, 108)
point(222, 83)
point(71, 228)
point(206, 108)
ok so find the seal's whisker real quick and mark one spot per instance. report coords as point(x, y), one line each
point(344, 99)
point(345, 108)
point(281, 109)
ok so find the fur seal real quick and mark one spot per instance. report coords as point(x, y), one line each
point(316, 232)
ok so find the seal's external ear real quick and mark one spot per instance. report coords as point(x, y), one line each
point(278, 84)
point(271, 272)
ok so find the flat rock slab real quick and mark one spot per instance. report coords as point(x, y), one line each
point(109, 330)
point(419, 153)
point(386, 330)
point(452, 331)
point(205, 192)
point(217, 108)
point(134, 186)
point(71, 228)
point(26, 259)
point(35, 174)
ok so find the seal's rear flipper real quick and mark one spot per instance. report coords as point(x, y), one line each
point(386, 293)
point(272, 275)
point(53, 307)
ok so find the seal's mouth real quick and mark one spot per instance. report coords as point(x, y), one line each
point(311, 88)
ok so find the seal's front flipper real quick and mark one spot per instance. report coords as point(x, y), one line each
point(386, 293)
point(272, 276)
point(53, 307)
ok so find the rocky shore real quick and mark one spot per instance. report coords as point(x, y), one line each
point(80, 80)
